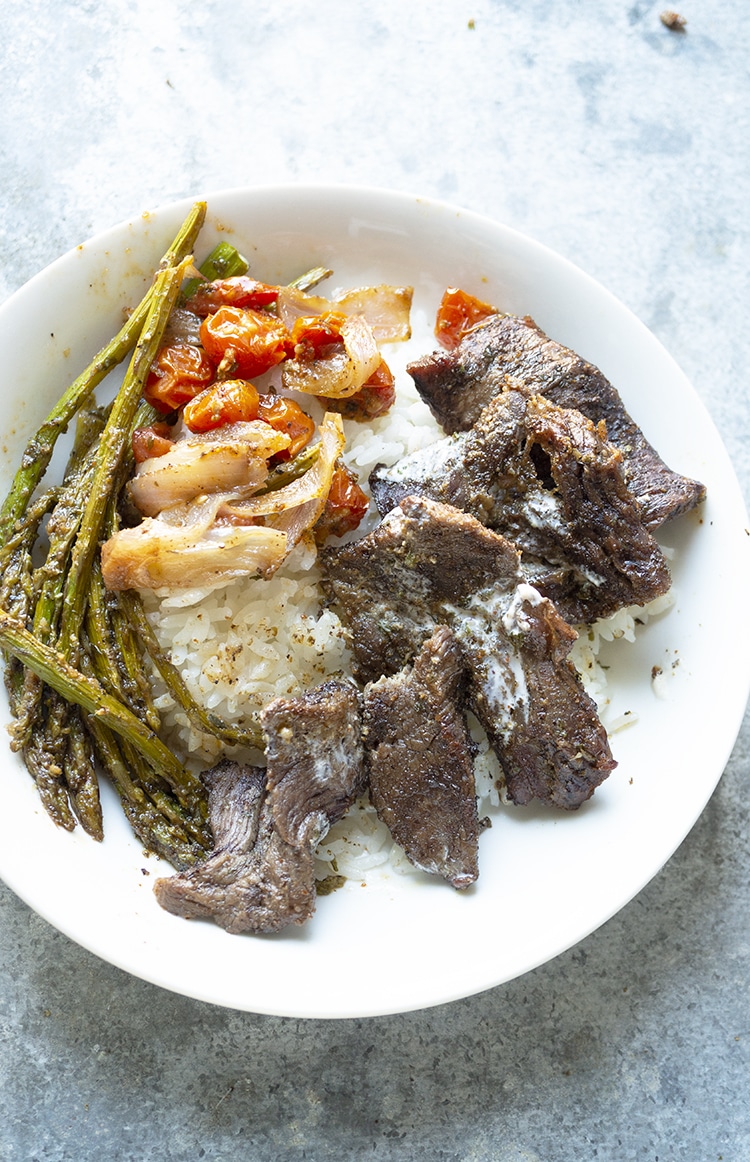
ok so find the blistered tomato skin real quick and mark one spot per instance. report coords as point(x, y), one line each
point(239, 291)
point(177, 374)
point(458, 313)
point(254, 341)
point(230, 401)
point(284, 415)
point(345, 507)
point(155, 440)
point(310, 333)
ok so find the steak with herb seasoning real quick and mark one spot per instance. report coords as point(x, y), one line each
point(429, 564)
point(315, 760)
point(266, 824)
point(545, 478)
point(253, 880)
point(419, 761)
point(506, 352)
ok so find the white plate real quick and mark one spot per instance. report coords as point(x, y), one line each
point(547, 878)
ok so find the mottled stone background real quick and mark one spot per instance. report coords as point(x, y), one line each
point(621, 144)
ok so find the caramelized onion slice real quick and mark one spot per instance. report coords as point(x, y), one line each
point(196, 551)
point(341, 372)
point(386, 308)
point(257, 435)
point(189, 545)
point(195, 466)
point(297, 521)
point(195, 471)
point(293, 304)
point(309, 490)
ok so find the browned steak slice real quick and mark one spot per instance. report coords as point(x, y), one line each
point(315, 759)
point(428, 564)
point(253, 881)
point(506, 352)
point(390, 587)
point(543, 726)
point(266, 824)
point(419, 761)
point(545, 478)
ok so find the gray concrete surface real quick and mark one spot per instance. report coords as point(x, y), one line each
point(624, 146)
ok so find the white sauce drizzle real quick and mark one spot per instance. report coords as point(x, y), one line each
point(497, 664)
point(543, 510)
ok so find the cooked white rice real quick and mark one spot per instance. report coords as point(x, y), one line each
point(241, 645)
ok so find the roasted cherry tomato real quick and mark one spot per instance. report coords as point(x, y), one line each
point(458, 313)
point(155, 440)
point(284, 415)
point(345, 506)
point(177, 374)
point(311, 332)
point(373, 399)
point(229, 401)
point(240, 291)
point(252, 340)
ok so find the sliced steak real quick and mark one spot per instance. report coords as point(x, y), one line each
point(506, 352)
point(543, 726)
point(545, 478)
point(253, 881)
point(266, 824)
point(315, 759)
point(428, 564)
point(419, 761)
point(390, 587)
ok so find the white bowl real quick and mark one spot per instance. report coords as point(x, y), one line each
point(547, 879)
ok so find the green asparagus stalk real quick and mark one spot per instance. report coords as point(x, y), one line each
point(193, 827)
point(311, 278)
point(38, 453)
point(145, 785)
point(128, 654)
point(69, 718)
point(134, 679)
point(49, 580)
point(154, 831)
point(224, 261)
point(112, 642)
point(62, 530)
point(17, 584)
point(85, 691)
point(44, 759)
point(81, 777)
point(290, 470)
point(58, 756)
point(113, 446)
point(25, 531)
